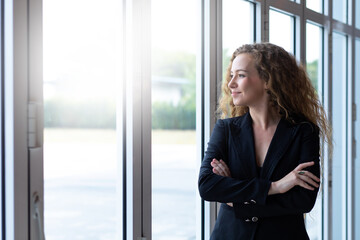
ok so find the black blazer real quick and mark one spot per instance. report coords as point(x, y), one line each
point(256, 215)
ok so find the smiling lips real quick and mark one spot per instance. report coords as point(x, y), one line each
point(235, 93)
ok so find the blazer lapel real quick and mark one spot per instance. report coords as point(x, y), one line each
point(282, 138)
point(242, 136)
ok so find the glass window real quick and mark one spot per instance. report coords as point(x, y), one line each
point(236, 33)
point(81, 177)
point(315, 5)
point(357, 139)
point(281, 30)
point(174, 159)
point(357, 14)
point(339, 135)
point(340, 10)
point(314, 46)
point(314, 66)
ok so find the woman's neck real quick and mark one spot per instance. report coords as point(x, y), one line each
point(264, 117)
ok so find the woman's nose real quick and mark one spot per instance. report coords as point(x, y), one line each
point(232, 83)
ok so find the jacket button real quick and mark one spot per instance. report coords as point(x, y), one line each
point(247, 220)
point(246, 203)
point(253, 201)
point(254, 219)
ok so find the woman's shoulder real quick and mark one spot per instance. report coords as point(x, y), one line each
point(305, 126)
point(232, 120)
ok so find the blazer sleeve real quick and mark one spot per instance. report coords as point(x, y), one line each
point(217, 188)
point(298, 200)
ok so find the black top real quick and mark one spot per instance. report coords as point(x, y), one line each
point(258, 169)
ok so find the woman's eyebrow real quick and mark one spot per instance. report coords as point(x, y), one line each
point(238, 70)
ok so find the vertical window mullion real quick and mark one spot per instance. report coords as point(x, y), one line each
point(210, 88)
point(138, 119)
point(2, 126)
point(327, 214)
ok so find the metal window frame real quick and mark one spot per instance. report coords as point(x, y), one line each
point(202, 226)
point(15, 106)
point(2, 126)
point(23, 157)
point(138, 119)
point(351, 122)
point(35, 102)
point(211, 62)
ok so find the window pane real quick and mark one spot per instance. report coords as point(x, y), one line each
point(357, 138)
point(282, 30)
point(339, 135)
point(234, 33)
point(174, 172)
point(357, 14)
point(80, 151)
point(314, 66)
point(339, 10)
point(314, 45)
point(316, 5)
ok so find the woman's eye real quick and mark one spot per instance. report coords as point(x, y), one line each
point(241, 75)
point(231, 76)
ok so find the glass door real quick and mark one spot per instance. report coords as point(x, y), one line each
point(82, 177)
point(314, 68)
point(339, 119)
point(174, 163)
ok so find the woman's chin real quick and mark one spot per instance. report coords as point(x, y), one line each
point(239, 103)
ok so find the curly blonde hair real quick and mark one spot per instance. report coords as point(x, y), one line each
point(289, 87)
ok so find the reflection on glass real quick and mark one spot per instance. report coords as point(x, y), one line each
point(174, 172)
point(357, 138)
point(316, 5)
point(339, 135)
point(281, 30)
point(80, 160)
point(236, 33)
point(339, 10)
point(314, 45)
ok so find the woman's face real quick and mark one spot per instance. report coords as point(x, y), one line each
point(247, 89)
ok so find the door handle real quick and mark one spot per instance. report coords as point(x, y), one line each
point(37, 216)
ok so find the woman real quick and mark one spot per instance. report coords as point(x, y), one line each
point(263, 162)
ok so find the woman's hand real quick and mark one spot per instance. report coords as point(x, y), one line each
point(297, 177)
point(220, 168)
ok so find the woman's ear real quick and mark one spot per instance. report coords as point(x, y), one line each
point(266, 86)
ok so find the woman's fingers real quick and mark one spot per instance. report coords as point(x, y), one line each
point(220, 168)
point(216, 167)
point(301, 166)
point(300, 178)
point(225, 168)
point(308, 181)
point(305, 185)
point(310, 175)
